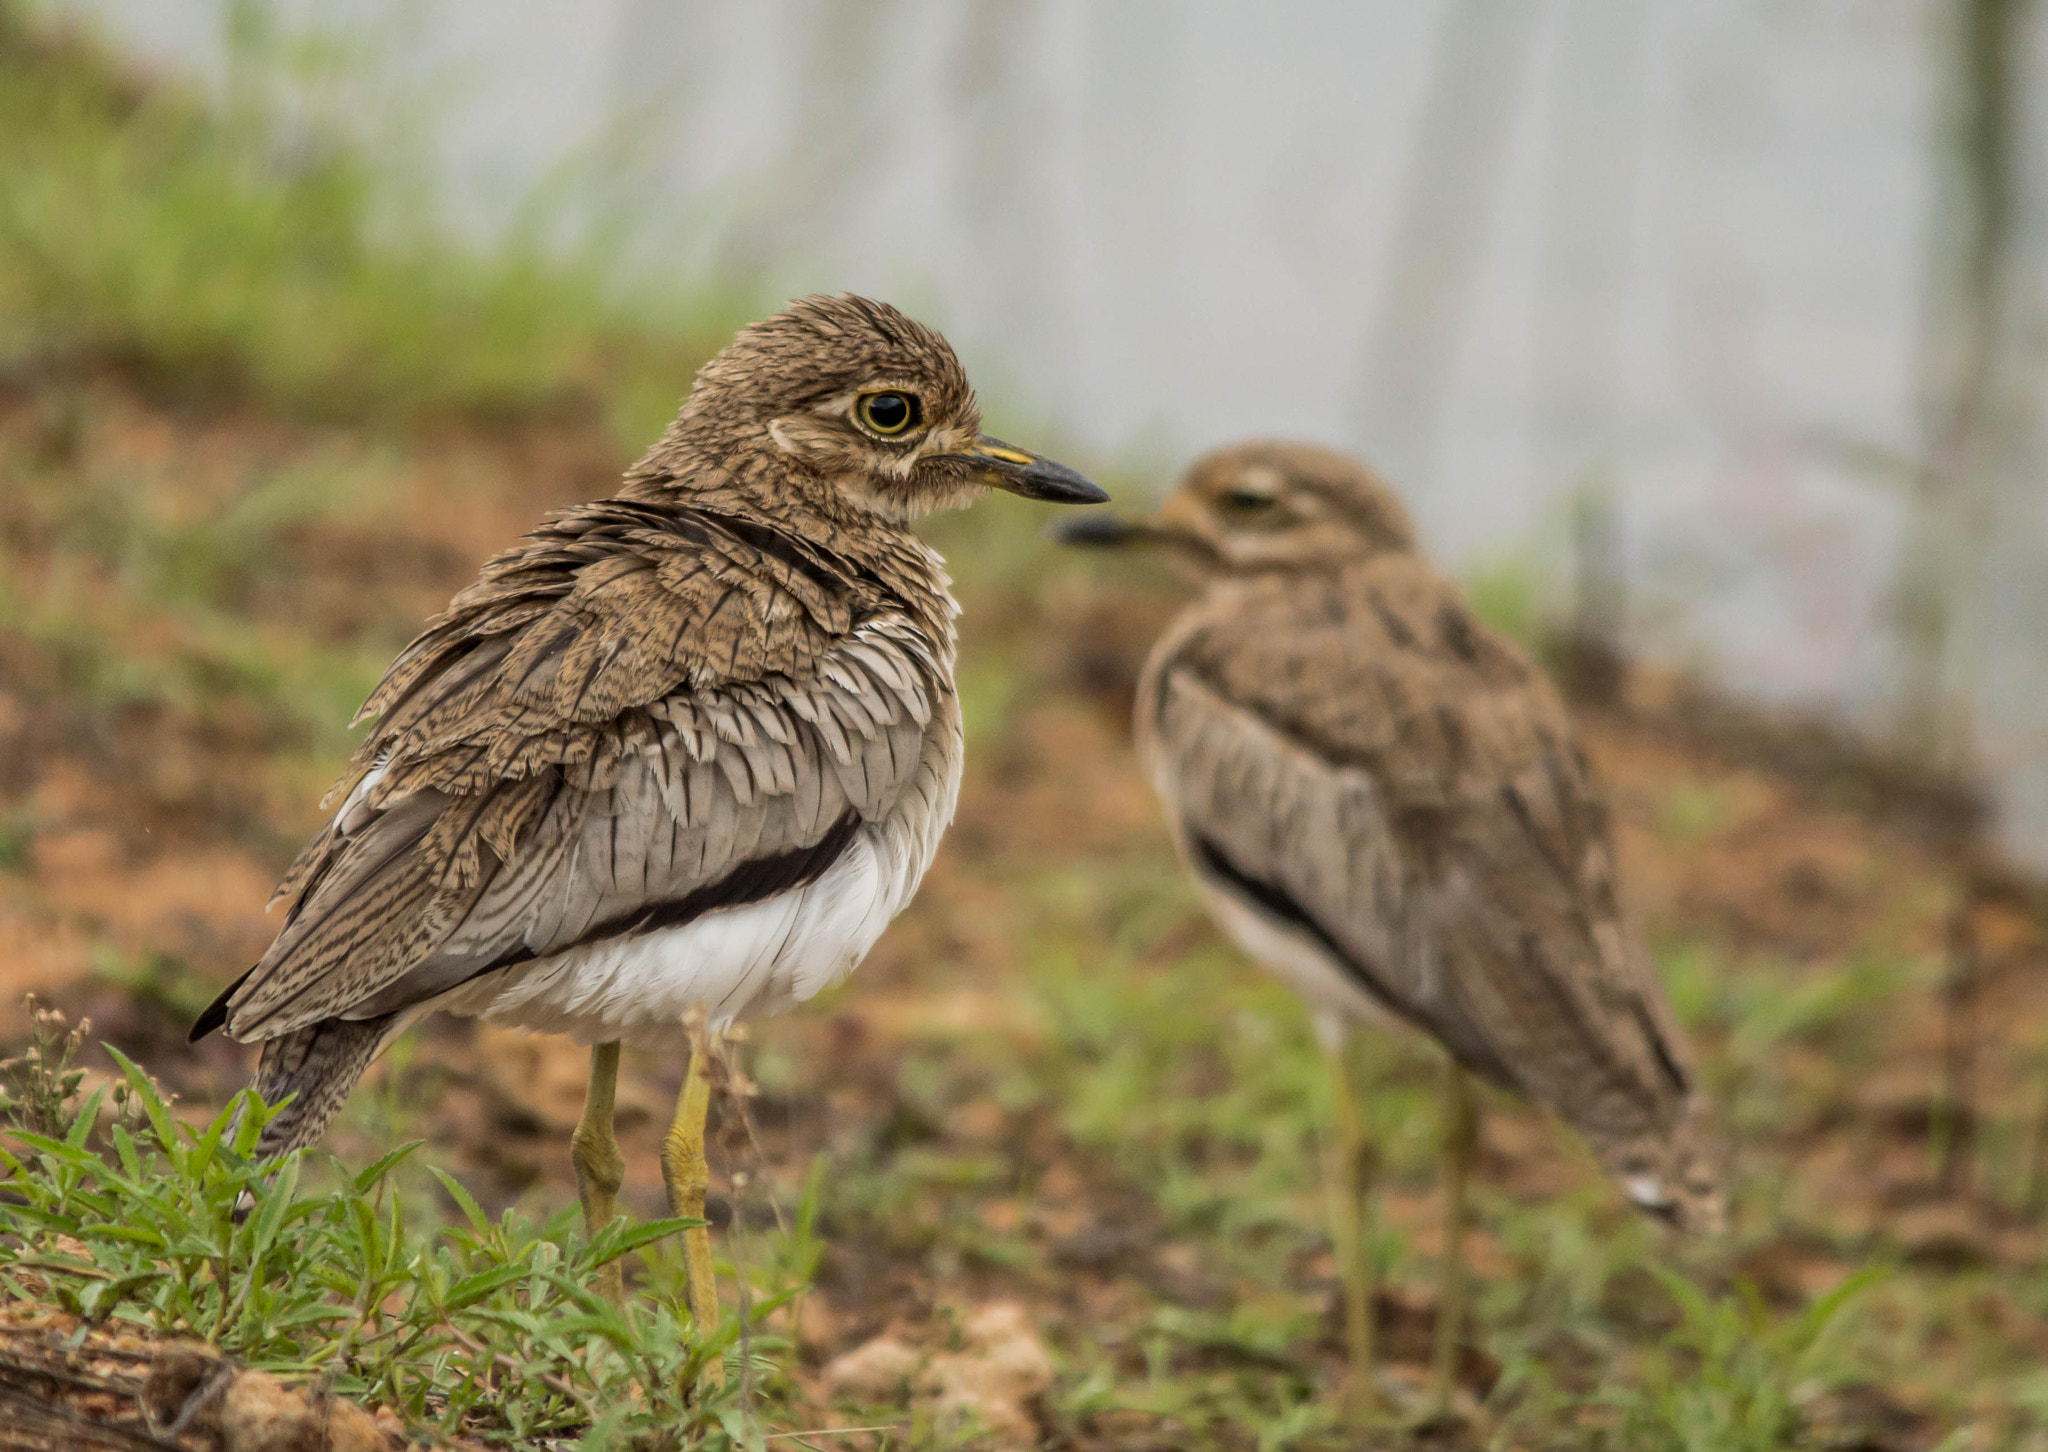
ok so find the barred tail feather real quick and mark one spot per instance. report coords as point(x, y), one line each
point(318, 1065)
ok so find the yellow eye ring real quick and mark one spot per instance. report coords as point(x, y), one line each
point(888, 412)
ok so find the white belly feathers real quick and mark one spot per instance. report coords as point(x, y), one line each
point(758, 958)
point(1296, 959)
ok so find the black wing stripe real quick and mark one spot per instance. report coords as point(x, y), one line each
point(752, 881)
point(1277, 902)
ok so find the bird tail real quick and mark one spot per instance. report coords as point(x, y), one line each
point(1677, 1175)
point(318, 1065)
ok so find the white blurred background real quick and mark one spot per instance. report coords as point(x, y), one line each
point(1730, 311)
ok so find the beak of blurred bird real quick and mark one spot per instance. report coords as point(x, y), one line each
point(1035, 477)
point(1174, 525)
point(1096, 531)
point(1114, 531)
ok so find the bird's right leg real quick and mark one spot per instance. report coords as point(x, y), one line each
point(1348, 1174)
point(600, 1168)
point(688, 1175)
point(1461, 1141)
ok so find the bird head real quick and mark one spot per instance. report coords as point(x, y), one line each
point(860, 409)
point(1264, 506)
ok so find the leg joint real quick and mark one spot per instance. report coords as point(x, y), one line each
point(597, 1157)
point(682, 1158)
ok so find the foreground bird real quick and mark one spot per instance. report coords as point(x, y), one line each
point(1381, 800)
point(683, 750)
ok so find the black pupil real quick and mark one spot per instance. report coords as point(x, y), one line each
point(1246, 499)
point(889, 412)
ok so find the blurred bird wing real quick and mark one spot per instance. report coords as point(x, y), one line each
point(1361, 757)
point(1307, 848)
point(633, 719)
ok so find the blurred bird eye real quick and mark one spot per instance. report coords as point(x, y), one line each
point(888, 412)
point(1248, 501)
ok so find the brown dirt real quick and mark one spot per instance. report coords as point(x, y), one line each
point(69, 1388)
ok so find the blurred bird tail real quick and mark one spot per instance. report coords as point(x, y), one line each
point(318, 1065)
point(1678, 1176)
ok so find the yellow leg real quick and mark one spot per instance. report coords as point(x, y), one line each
point(600, 1168)
point(1461, 1138)
point(688, 1175)
point(1348, 1176)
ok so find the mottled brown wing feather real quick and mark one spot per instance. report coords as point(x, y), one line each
point(633, 707)
point(1359, 750)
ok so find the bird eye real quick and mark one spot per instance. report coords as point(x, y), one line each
point(1248, 501)
point(888, 412)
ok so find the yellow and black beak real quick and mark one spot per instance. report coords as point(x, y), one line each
point(1022, 472)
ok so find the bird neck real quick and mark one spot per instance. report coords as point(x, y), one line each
point(765, 485)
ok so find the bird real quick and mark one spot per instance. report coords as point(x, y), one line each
point(677, 756)
point(1383, 802)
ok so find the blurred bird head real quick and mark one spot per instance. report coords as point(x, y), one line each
point(1264, 506)
point(859, 411)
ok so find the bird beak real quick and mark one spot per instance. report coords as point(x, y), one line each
point(1106, 531)
point(1022, 472)
point(1173, 525)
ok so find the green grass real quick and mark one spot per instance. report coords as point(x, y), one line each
point(480, 1327)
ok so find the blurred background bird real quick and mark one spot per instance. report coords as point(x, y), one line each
point(1381, 800)
point(689, 748)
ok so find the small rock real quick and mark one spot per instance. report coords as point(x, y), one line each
point(992, 1380)
point(875, 1371)
point(987, 1385)
point(191, 1386)
point(262, 1414)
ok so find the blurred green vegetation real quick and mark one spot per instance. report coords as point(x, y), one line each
point(142, 603)
point(237, 251)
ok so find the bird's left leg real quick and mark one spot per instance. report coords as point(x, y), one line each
point(1461, 1138)
point(600, 1168)
point(688, 1175)
point(1348, 1175)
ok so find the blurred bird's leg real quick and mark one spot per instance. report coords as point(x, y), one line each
point(600, 1168)
point(1461, 1138)
point(688, 1175)
point(1348, 1171)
